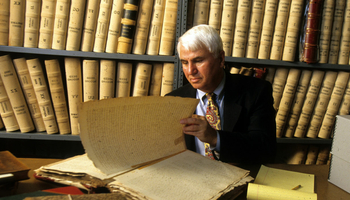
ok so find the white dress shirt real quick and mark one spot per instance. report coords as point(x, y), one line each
point(201, 110)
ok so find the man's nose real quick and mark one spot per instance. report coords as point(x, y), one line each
point(192, 68)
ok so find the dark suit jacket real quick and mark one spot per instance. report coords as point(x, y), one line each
point(249, 131)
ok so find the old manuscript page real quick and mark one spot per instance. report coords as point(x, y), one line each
point(120, 134)
point(187, 175)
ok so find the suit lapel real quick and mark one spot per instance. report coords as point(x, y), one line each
point(230, 102)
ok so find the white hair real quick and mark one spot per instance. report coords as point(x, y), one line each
point(201, 36)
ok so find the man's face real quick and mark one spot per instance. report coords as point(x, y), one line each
point(201, 69)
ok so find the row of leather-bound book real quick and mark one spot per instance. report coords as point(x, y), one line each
point(306, 101)
point(111, 26)
point(36, 96)
point(306, 30)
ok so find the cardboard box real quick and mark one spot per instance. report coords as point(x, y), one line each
point(340, 163)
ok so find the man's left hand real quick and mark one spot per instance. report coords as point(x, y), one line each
point(199, 127)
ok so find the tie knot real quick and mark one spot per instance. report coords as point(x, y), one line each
point(210, 96)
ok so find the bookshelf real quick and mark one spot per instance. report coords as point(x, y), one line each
point(179, 79)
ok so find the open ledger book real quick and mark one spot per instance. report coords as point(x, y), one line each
point(135, 146)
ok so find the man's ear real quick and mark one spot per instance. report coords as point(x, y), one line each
point(222, 59)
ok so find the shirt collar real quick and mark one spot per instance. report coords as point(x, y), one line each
point(218, 91)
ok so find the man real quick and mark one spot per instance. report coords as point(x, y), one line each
point(247, 117)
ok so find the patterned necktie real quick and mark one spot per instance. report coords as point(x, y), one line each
point(213, 119)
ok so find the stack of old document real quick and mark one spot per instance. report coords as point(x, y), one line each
point(135, 146)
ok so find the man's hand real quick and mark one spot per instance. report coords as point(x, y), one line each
point(198, 126)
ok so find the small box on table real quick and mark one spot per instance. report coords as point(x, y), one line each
point(340, 163)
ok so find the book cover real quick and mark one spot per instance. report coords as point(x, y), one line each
point(32, 22)
point(54, 76)
point(60, 24)
point(14, 91)
point(227, 28)
point(43, 95)
point(4, 21)
point(74, 90)
point(12, 167)
point(114, 26)
point(89, 26)
point(28, 91)
point(103, 18)
point(16, 22)
point(75, 24)
point(47, 20)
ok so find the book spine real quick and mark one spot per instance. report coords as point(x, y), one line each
point(124, 75)
point(280, 30)
point(336, 32)
point(293, 28)
point(234, 70)
point(270, 74)
point(323, 155)
point(227, 28)
point(344, 108)
point(278, 84)
point(156, 79)
point(190, 13)
point(321, 104)
point(326, 29)
point(102, 25)
point(16, 22)
point(257, 16)
point(167, 84)
point(309, 103)
point(310, 50)
point(91, 73)
point(4, 21)
point(297, 104)
point(156, 28)
point(60, 25)
point(107, 78)
point(15, 94)
point(241, 29)
point(345, 38)
point(75, 24)
point(1, 124)
point(6, 111)
point(267, 29)
point(89, 26)
point(167, 39)
point(142, 79)
point(299, 155)
point(312, 154)
point(201, 12)
point(29, 93)
point(74, 90)
point(286, 100)
point(128, 26)
point(47, 19)
point(142, 27)
point(43, 95)
point(326, 126)
point(215, 13)
point(114, 26)
point(54, 77)
point(32, 21)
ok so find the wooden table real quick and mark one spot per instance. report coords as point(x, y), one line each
point(324, 189)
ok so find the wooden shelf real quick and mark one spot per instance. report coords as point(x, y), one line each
point(38, 136)
point(82, 54)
